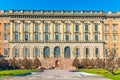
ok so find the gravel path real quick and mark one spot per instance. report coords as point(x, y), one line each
point(57, 75)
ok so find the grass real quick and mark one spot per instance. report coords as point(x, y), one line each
point(102, 72)
point(13, 72)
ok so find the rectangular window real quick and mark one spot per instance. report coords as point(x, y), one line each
point(76, 37)
point(86, 27)
point(36, 27)
point(106, 37)
point(96, 37)
point(67, 28)
point(76, 27)
point(6, 26)
point(16, 26)
point(46, 27)
point(67, 37)
point(36, 37)
point(16, 36)
point(5, 36)
point(114, 27)
point(57, 28)
point(56, 37)
point(96, 27)
point(106, 27)
point(46, 37)
point(114, 37)
point(86, 37)
point(5, 51)
point(26, 36)
point(26, 26)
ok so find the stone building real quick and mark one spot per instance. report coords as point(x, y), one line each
point(52, 34)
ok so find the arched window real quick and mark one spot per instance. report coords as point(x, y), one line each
point(56, 52)
point(77, 52)
point(26, 52)
point(46, 52)
point(87, 52)
point(96, 52)
point(36, 52)
point(16, 52)
point(67, 52)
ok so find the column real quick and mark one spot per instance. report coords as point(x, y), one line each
point(52, 31)
point(11, 29)
point(21, 30)
point(31, 27)
point(72, 30)
point(42, 30)
point(62, 30)
point(82, 30)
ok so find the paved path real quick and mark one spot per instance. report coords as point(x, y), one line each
point(56, 75)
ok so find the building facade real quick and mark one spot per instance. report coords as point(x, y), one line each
point(53, 34)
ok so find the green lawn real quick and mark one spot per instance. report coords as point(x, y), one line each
point(102, 72)
point(13, 72)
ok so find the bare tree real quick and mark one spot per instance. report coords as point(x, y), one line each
point(36, 63)
point(76, 63)
point(27, 63)
point(13, 63)
point(111, 61)
point(86, 63)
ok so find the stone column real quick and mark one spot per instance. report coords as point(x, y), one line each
point(82, 30)
point(21, 30)
point(31, 28)
point(51, 28)
point(42, 30)
point(72, 30)
point(62, 30)
point(11, 29)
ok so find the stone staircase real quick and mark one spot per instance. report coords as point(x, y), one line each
point(50, 63)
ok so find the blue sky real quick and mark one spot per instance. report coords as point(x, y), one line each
point(106, 5)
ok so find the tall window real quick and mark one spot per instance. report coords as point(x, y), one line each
point(16, 36)
point(36, 52)
point(26, 52)
point(36, 36)
point(16, 26)
point(67, 28)
point(114, 27)
point(67, 37)
point(46, 37)
point(106, 27)
point(26, 26)
point(5, 36)
point(57, 28)
point(77, 52)
point(114, 37)
point(105, 37)
point(96, 52)
point(26, 36)
point(86, 27)
point(56, 37)
point(87, 52)
point(16, 52)
point(76, 37)
point(76, 27)
point(86, 37)
point(6, 26)
point(36, 27)
point(46, 27)
point(46, 53)
point(5, 51)
point(96, 37)
point(96, 27)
